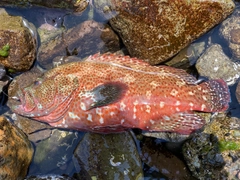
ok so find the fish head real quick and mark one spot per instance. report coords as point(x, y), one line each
point(36, 99)
point(44, 95)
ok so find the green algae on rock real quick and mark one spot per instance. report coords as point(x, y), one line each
point(5, 50)
point(16, 33)
point(215, 153)
point(157, 30)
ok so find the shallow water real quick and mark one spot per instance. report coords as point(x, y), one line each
point(64, 18)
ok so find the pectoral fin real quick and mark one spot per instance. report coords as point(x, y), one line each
point(102, 95)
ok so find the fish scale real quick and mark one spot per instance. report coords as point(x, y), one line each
point(111, 93)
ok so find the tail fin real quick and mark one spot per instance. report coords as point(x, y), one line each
point(219, 95)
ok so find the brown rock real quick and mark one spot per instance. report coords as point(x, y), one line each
point(83, 40)
point(157, 30)
point(15, 151)
point(21, 41)
point(164, 162)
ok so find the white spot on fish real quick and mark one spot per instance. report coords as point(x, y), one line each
point(204, 98)
point(154, 84)
point(122, 121)
point(134, 116)
point(166, 118)
point(152, 121)
point(203, 107)
point(177, 109)
point(134, 109)
point(148, 110)
point(162, 104)
point(72, 115)
point(191, 93)
point(83, 106)
point(89, 118)
point(177, 103)
point(174, 92)
point(98, 111)
point(112, 113)
point(101, 120)
point(148, 93)
point(64, 121)
point(135, 103)
point(191, 104)
point(39, 106)
point(122, 106)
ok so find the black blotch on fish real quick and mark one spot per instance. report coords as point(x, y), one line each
point(108, 93)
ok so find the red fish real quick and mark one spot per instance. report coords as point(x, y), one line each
point(110, 93)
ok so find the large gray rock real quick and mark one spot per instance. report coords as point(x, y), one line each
point(215, 64)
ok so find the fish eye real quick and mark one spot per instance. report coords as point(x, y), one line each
point(15, 98)
point(37, 83)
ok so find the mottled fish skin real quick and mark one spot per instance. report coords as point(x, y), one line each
point(110, 93)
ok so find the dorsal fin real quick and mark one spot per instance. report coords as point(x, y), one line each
point(140, 65)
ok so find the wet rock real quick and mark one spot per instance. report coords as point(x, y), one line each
point(83, 40)
point(230, 31)
point(78, 6)
point(16, 151)
point(47, 32)
point(203, 157)
point(238, 92)
point(35, 130)
point(157, 30)
point(161, 160)
point(54, 155)
point(20, 36)
point(187, 56)
point(215, 64)
point(2, 71)
point(49, 177)
point(111, 156)
point(214, 153)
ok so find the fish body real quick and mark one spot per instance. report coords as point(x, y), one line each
point(110, 93)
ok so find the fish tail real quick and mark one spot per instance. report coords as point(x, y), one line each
point(218, 95)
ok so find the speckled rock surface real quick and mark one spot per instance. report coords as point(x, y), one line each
point(111, 156)
point(83, 40)
point(215, 64)
point(215, 153)
point(157, 30)
point(19, 34)
point(230, 31)
point(15, 151)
